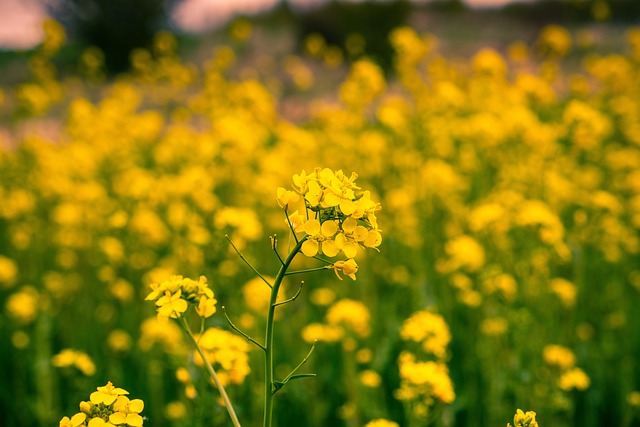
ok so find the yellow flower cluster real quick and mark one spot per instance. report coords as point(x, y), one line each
point(381, 423)
point(524, 419)
point(426, 382)
point(227, 353)
point(172, 297)
point(338, 217)
point(571, 377)
point(344, 317)
point(107, 407)
point(74, 358)
point(428, 329)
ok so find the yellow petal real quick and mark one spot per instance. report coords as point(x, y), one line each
point(136, 405)
point(96, 422)
point(329, 228)
point(134, 420)
point(96, 397)
point(373, 239)
point(330, 200)
point(78, 419)
point(349, 224)
point(312, 227)
point(330, 248)
point(347, 206)
point(117, 418)
point(310, 248)
point(360, 233)
point(350, 249)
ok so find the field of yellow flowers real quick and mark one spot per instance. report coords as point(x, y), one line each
point(508, 275)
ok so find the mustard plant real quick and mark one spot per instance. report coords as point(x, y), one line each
point(335, 218)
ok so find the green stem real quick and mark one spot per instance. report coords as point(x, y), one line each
point(212, 373)
point(268, 341)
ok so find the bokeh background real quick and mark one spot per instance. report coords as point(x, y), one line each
point(502, 140)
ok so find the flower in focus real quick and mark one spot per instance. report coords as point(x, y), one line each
point(348, 267)
point(106, 394)
point(524, 419)
point(108, 406)
point(381, 423)
point(75, 421)
point(339, 217)
point(173, 297)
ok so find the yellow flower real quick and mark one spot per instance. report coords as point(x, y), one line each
point(75, 421)
point(78, 359)
point(106, 394)
point(127, 411)
point(381, 423)
point(319, 238)
point(574, 378)
point(522, 419)
point(351, 315)
point(429, 329)
point(286, 197)
point(99, 422)
point(206, 307)
point(173, 297)
point(557, 355)
point(171, 305)
point(348, 267)
point(370, 378)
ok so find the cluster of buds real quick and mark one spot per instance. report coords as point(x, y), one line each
point(524, 419)
point(338, 216)
point(174, 296)
point(107, 407)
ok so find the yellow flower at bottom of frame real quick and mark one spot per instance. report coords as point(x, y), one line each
point(524, 419)
point(381, 423)
point(75, 421)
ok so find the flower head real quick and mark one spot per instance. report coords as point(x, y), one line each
point(341, 218)
point(348, 267)
point(524, 419)
point(107, 407)
point(173, 297)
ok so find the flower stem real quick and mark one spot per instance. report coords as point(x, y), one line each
point(212, 373)
point(268, 341)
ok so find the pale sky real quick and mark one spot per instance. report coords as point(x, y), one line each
point(21, 20)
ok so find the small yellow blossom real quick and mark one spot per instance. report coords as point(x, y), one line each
point(574, 378)
point(522, 419)
point(381, 423)
point(348, 267)
point(75, 421)
point(107, 394)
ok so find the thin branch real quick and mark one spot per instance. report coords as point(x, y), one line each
point(293, 298)
point(308, 270)
point(247, 261)
point(212, 373)
point(274, 246)
point(288, 377)
point(286, 214)
point(235, 328)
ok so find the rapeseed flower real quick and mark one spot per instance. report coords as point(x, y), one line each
point(109, 407)
point(522, 419)
point(173, 297)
